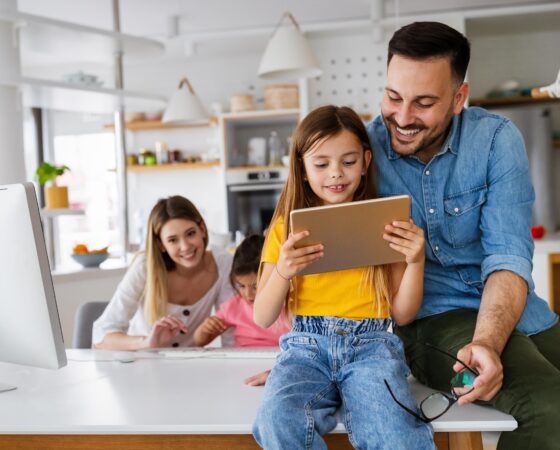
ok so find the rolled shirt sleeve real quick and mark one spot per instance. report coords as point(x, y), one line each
point(506, 216)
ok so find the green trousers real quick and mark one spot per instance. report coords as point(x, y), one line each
point(531, 386)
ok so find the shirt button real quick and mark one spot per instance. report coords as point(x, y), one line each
point(436, 248)
point(456, 210)
point(186, 312)
point(427, 173)
point(431, 210)
point(175, 344)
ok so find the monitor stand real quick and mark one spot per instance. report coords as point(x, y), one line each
point(6, 387)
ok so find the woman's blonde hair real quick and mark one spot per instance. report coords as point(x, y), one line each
point(319, 125)
point(158, 262)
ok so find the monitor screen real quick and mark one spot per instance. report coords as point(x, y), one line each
point(30, 331)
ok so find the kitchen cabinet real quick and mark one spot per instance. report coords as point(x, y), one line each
point(252, 187)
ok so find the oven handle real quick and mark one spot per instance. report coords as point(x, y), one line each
point(255, 187)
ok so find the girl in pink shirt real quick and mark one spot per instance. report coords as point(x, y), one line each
point(237, 312)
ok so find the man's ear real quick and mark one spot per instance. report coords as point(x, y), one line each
point(461, 97)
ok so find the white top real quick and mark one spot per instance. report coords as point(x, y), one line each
point(125, 312)
point(96, 395)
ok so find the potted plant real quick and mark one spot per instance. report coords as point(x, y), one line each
point(55, 196)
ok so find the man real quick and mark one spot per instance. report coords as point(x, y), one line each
point(467, 174)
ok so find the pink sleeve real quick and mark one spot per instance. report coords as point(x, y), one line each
point(224, 311)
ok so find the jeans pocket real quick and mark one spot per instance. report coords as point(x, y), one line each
point(296, 344)
point(377, 348)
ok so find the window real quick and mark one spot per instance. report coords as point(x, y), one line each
point(92, 186)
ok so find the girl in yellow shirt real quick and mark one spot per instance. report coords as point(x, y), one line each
point(339, 350)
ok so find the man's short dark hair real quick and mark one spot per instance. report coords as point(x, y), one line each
point(425, 40)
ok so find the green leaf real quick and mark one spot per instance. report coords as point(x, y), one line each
point(47, 172)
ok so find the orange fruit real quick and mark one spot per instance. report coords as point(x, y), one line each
point(81, 248)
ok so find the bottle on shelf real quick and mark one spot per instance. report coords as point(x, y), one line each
point(162, 154)
point(275, 151)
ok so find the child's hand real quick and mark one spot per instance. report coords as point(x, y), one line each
point(406, 238)
point(257, 380)
point(291, 260)
point(213, 326)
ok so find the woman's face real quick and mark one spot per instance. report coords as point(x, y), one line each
point(183, 240)
point(246, 285)
point(335, 166)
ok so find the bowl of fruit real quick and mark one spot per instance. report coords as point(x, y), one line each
point(89, 258)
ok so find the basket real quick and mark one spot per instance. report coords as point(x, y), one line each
point(242, 102)
point(281, 96)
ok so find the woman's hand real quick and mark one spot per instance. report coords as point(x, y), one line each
point(257, 380)
point(292, 260)
point(406, 238)
point(164, 331)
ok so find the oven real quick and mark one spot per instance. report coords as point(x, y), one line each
point(252, 196)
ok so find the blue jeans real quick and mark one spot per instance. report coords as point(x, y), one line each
point(329, 362)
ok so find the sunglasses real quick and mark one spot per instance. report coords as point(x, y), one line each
point(437, 404)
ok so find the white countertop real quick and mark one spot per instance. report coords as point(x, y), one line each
point(95, 394)
point(550, 243)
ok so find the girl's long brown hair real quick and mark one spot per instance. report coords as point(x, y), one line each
point(158, 263)
point(319, 125)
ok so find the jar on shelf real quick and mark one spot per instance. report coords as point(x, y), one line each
point(147, 157)
point(175, 156)
point(162, 153)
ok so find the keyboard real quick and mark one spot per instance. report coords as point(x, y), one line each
point(221, 352)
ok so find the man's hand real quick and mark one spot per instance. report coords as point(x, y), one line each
point(486, 361)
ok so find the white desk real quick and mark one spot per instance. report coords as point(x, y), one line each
point(196, 404)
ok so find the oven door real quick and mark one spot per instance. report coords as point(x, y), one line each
point(251, 206)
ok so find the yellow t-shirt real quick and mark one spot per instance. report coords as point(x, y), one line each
point(339, 294)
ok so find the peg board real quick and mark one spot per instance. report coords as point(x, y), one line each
point(354, 69)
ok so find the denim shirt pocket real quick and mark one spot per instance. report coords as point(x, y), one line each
point(462, 215)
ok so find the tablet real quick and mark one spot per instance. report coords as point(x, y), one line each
point(352, 233)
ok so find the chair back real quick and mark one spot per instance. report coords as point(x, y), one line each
point(86, 314)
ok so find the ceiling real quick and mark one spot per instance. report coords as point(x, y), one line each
point(163, 18)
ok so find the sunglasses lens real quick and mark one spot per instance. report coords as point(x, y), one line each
point(434, 405)
point(463, 382)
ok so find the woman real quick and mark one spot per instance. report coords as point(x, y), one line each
point(171, 288)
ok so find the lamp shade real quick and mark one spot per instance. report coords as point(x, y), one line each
point(288, 54)
point(184, 106)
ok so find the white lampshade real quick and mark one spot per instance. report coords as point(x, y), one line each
point(184, 106)
point(288, 54)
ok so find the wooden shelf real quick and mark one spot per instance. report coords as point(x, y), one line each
point(138, 125)
point(510, 101)
point(274, 167)
point(176, 166)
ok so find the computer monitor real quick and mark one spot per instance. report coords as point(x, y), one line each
point(30, 331)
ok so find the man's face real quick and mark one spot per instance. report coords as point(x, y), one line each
point(418, 105)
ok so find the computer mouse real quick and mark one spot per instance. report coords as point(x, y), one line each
point(124, 357)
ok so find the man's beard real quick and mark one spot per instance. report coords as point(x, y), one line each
point(425, 144)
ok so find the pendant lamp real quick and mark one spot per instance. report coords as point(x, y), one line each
point(288, 54)
point(184, 106)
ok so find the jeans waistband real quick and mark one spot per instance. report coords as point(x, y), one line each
point(327, 325)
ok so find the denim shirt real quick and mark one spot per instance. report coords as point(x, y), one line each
point(473, 200)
